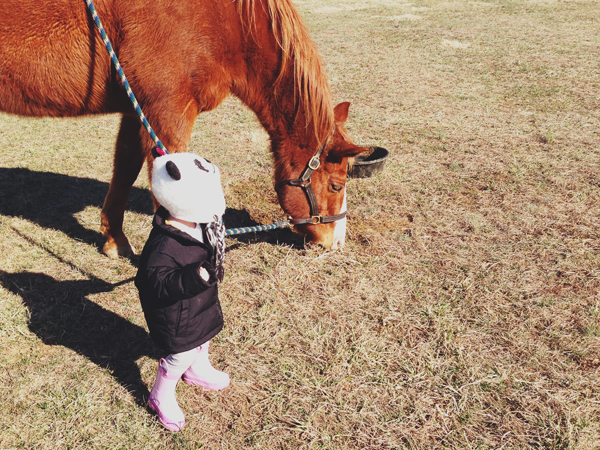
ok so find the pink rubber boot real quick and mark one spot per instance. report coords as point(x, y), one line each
point(162, 399)
point(202, 373)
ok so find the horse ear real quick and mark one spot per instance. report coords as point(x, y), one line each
point(346, 152)
point(340, 112)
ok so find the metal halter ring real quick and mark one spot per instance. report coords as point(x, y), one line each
point(315, 162)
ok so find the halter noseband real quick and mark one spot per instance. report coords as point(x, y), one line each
point(304, 182)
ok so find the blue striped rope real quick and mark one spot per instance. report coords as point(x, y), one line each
point(234, 231)
point(138, 110)
point(113, 57)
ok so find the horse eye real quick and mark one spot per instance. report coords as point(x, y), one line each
point(337, 187)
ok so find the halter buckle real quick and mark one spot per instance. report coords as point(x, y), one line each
point(316, 219)
point(314, 163)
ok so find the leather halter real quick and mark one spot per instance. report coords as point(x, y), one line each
point(304, 182)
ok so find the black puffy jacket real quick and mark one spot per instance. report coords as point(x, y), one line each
point(181, 309)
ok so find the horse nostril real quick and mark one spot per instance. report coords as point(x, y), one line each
point(338, 243)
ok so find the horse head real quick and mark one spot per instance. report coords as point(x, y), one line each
point(313, 192)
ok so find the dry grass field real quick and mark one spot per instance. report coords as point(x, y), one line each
point(463, 312)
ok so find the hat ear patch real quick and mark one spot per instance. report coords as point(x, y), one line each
point(199, 165)
point(173, 171)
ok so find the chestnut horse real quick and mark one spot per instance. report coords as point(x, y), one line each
point(182, 57)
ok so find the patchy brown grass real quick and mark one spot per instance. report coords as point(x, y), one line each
point(462, 313)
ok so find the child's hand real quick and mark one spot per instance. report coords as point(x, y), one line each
point(204, 274)
point(206, 271)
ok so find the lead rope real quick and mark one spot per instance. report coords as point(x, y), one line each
point(273, 226)
point(115, 61)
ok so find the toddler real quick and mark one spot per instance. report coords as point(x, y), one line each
point(179, 268)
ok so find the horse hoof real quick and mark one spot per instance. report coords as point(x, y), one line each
point(115, 252)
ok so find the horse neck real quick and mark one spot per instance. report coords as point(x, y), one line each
point(294, 136)
point(288, 89)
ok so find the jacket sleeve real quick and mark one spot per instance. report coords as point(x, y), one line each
point(171, 283)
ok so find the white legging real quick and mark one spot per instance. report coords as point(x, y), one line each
point(178, 363)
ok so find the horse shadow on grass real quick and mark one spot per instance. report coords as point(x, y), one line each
point(52, 200)
point(60, 312)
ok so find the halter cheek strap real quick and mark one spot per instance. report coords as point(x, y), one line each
point(304, 182)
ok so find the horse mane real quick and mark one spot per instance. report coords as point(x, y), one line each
point(312, 90)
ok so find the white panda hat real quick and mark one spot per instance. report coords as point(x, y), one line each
point(188, 186)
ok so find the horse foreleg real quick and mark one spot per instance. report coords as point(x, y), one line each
point(128, 161)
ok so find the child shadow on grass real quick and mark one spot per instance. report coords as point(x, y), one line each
point(60, 314)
